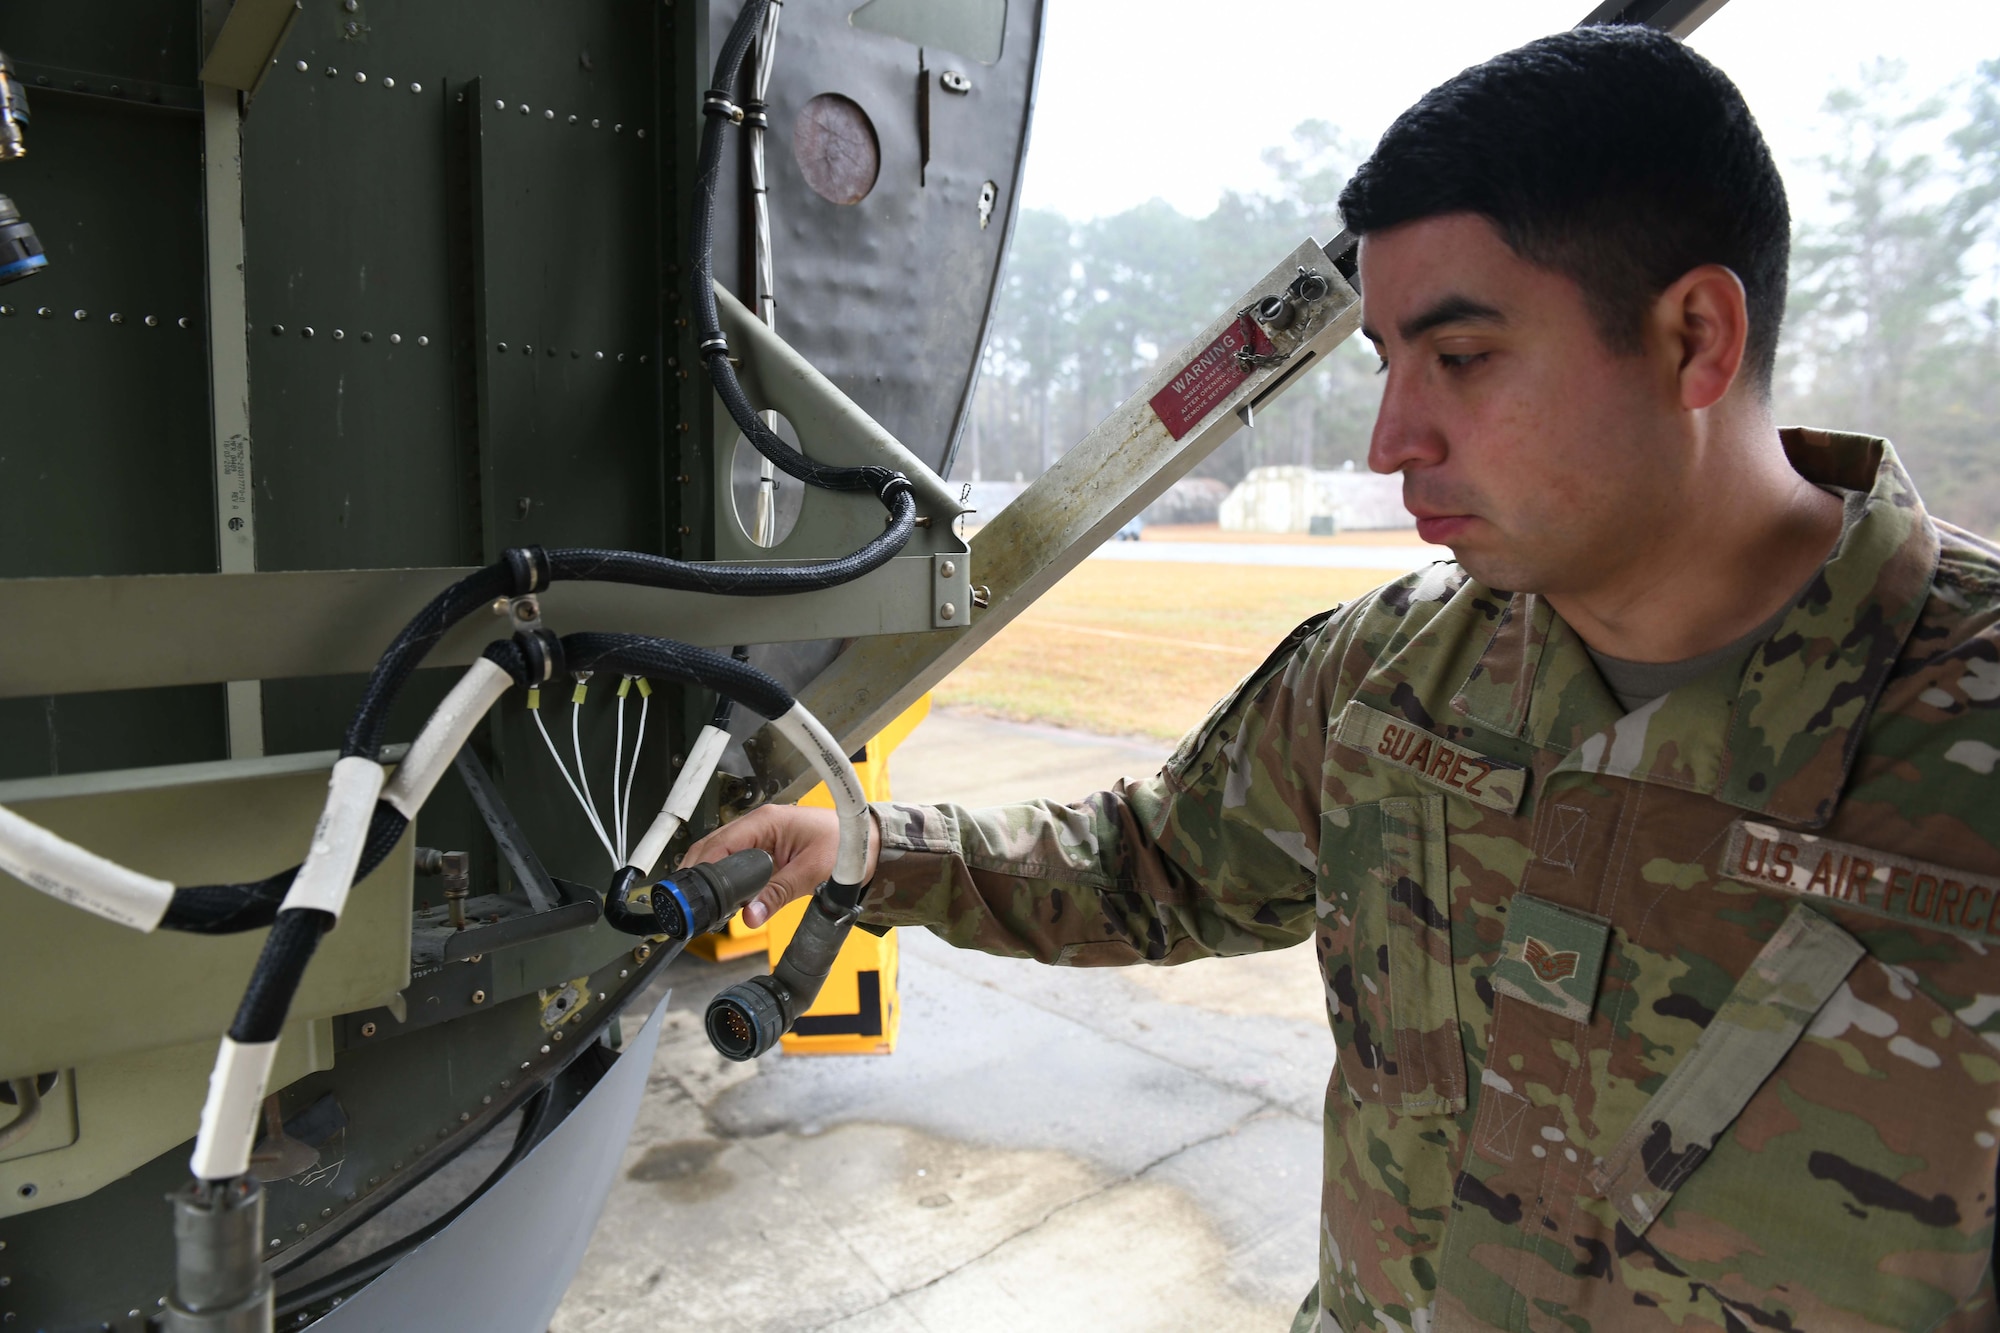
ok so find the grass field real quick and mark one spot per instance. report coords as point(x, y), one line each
point(1139, 649)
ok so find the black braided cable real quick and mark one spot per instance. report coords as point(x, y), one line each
point(280, 968)
point(225, 909)
point(659, 659)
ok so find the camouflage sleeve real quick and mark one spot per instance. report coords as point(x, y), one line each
point(1212, 855)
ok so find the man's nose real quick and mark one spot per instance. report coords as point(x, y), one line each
point(1404, 434)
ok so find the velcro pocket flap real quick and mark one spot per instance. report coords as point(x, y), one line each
point(1792, 977)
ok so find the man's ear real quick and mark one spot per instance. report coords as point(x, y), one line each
point(1703, 320)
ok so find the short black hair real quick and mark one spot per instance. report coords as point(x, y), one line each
point(1613, 155)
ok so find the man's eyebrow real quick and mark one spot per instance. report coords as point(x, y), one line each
point(1453, 309)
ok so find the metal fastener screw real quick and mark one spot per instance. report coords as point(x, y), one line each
point(595, 123)
point(277, 329)
point(642, 134)
point(626, 972)
point(524, 108)
point(463, 1117)
point(79, 314)
point(185, 322)
point(598, 355)
point(117, 318)
point(503, 347)
point(301, 67)
point(521, 508)
point(395, 339)
point(947, 611)
point(388, 82)
point(331, 71)
point(6, 310)
point(524, 1064)
point(350, 5)
point(545, 1050)
point(621, 356)
point(559, 1034)
point(486, 1101)
point(947, 569)
point(423, 340)
point(618, 128)
point(306, 332)
point(527, 349)
point(359, 77)
point(367, 337)
point(574, 354)
point(572, 120)
point(367, 1029)
point(301, 1228)
point(552, 352)
point(506, 1083)
point(499, 606)
point(642, 358)
point(600, 996)
point(499, 105)
point(338, 334)
point(548, 115)
point(326, 1212)
point(479, 997)
point(418, 87)
point(276, 1241)
point(152, 321)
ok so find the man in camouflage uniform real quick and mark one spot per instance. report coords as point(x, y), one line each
point(1657, 904)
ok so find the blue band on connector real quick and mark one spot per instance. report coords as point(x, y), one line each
point(687, 912)
point(20, 268)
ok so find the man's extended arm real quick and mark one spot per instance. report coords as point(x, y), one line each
point(1213, 855)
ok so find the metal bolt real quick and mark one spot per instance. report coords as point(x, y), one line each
point(367, 1029)
point(505, 1083)
point(418, 87)
point(948, 568)
point(306, 332)
point(117, 318)
point(423, 340)
point(338, 334)
point(947, 610)
point(479, 997)
point(80, 314)
point(359, 77)
point(574, 354)
point(388, 82)
point(395, 339)
point(301, 67)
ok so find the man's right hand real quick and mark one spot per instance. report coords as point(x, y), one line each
point(801, 839)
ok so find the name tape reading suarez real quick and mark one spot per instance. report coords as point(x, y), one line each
point(1462, 772)
point(1881, 883)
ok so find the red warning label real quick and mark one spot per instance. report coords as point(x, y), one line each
point(1205, 381)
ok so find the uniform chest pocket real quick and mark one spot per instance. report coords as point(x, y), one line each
point(1384, 942)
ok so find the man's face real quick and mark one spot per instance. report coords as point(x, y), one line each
point(1540, 456)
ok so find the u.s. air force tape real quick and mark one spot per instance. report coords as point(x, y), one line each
point(1882, 883)
point(1443, 764)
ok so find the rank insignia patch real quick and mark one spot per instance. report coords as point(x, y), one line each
point(1551, 957)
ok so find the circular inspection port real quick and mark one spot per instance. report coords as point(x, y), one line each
point(767, 501)
point(836, 148)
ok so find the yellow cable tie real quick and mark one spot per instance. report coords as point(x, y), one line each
point(535, 696)
point(645, 687)
point(577, 695)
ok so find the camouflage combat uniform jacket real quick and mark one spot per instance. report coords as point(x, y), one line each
point(1673, 1020)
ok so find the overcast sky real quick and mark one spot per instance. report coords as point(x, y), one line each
point(1177, 98)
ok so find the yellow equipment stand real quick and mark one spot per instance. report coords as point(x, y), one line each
point(857, 1012)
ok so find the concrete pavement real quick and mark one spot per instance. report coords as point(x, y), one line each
point(1049, 1148)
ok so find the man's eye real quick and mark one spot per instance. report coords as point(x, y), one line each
point(1459, 360)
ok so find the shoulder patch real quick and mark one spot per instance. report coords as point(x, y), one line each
point(1446, 765)
point(1882, 883)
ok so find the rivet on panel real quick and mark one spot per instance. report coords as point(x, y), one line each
point(359, 77)
point(395, 339)
point(418, 87)
point(79, 314)
point(595, 123)
point(597, 355)
point(524, 108)
point(301, 67)
point(618, 129)
point(572, 120)
point(277, 330)
point(185, 322)
point(574, 354)
point(947, 611)
point(388, 82)
point(527, 349)
point(503, 347)
point(6, 310)
point(642, 134)
point(621, 356)
point(548, 115)
point(423, 340)
point(552, 353)
point(499, 105)
point(152, 321)
point(331, 71)
point(306, 332)
point(367, 337)
point(642, 358)
point(117, 318)
point(338, 334)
